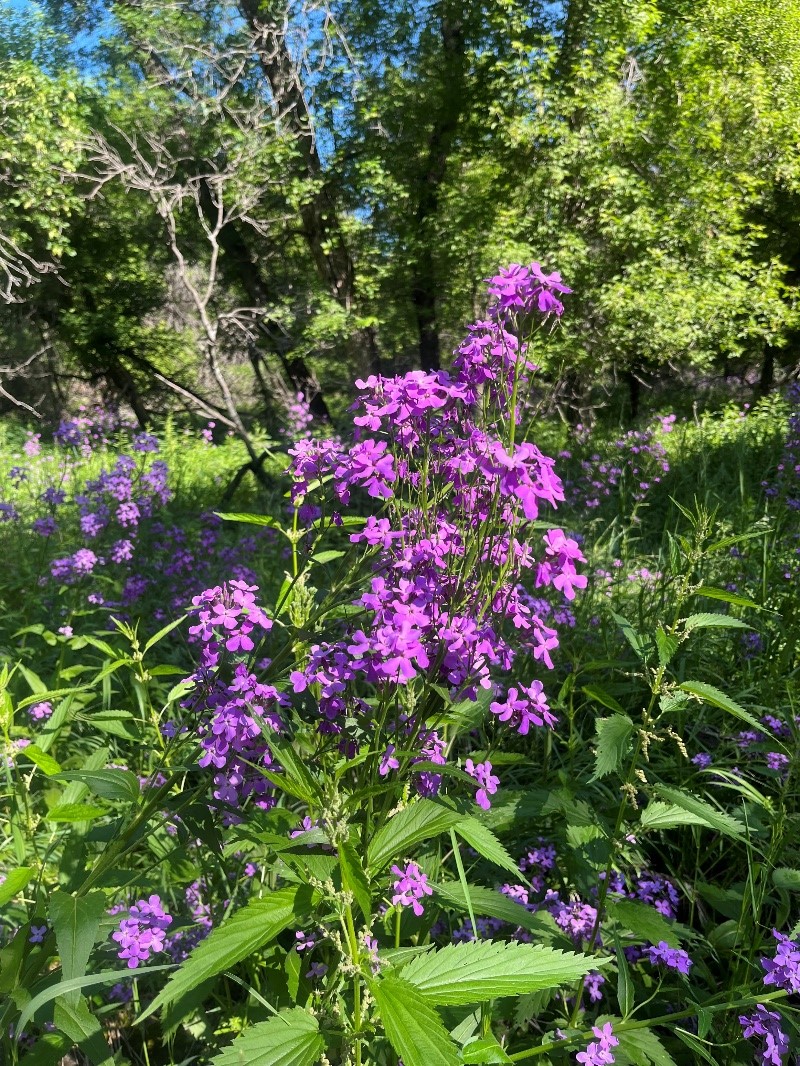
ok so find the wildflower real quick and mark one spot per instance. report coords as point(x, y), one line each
point(318, 969)
point(143, 932)
point(40, 711)
point(388, 761)
point(482, 772)
point(38, 933)
point(410, 887)
point(784, 969)
point(672, 958)
point(776, 760)
point(592, 983)
point(598, 1052)
point(702, 760)
point(766, 1024)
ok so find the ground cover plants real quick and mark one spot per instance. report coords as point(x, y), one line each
point(451, 750)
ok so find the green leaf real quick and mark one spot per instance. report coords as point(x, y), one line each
point(641, 644)
point(251, 519)
point(484, 1051)
point(296, 777)
point(49, 696)
point(785, 878)
point(74, 812)
point(49, 1050)
point(643, 921)
point(116, 785)
point(643, 1048)
point(163, 632)
point(249, 929)
point(713, 621)
point(714, 819)
point(420, 821)
point(354, 879)
point(595, 692)
point(413, 1027)
point(726, 597)
point(80, 1025)
point(46, 763)
point(613, 737)
point(486, 844)
point(15, 882)
point(292, 1038)
point(479, 970)
point(667, 644)
point(76, 921)
point(696, 1045)
point(327, 556)
point(711, 694)
point(117, 723)
point(658, 815)
point(625, 993)
point(487, 903)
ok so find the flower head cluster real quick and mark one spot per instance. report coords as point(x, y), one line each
point(143, 932)
point(784, 969)
point(598, 1052)
point(672, 958)
point(487, 782)
point(766, 1024)
point(637, 462)
point(410, 888)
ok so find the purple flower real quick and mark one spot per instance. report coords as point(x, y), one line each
point(592, 982)
point(38, 933)
point(784, 969)
point(143, 932)
point(410, 887)
point(672, 958)
point(40, 711)
point(776, 760)
point(482, 772)
point(766, 1024)
point(388, 761)
point(45, 527)
point(145, 442)
point(598, 1053)
point(702, 759)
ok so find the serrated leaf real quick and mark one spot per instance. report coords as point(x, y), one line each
point(713, 818)
point(354, 878)
point(713, 621)
point(658, 815)
point(46, 763)
point(118, 723)
point(248, 930)
point(486, 844)
point(717, 698)
point(15, 882)
point(476, 971)
point(413, 1027)
point(487, 903)
point(783, 877)
point(420, 821)
point(80, 1025)
point(643, 1048)
point(613, 736)
point(292, 1038)
point(484, 1051)
point(643, 921)
point(726, 597)
point(667, 644)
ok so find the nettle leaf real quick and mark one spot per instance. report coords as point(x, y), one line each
point(74, 812)
point(613, 738)
point(726, 597)
point(643, 921)
point(46, 763)
point(783, 877)
point(713, 621)
point(420, 821)
point(354, 878)
point(480, 970)
point(717, 698)
point(488, 904)
point(667, 644)
point(710, 816)
point(644, 1048)
point(486, 844)
point(250, 928)
point(658, 815)
point(413, 1027)
point(292, 1038)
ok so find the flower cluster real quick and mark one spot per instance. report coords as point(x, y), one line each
point(598, 1052)
point(784, 969)
point(673, 958)
point(143, 932)
point(766, 1024)
point(637, 462)
point(487, 782)
point(410, 888)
